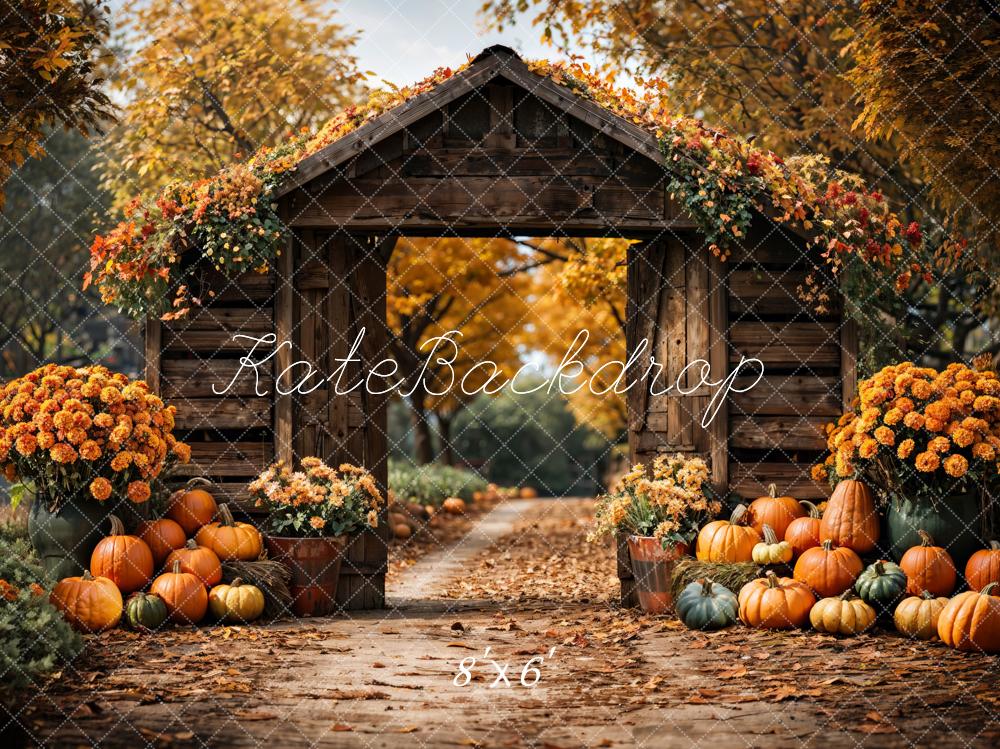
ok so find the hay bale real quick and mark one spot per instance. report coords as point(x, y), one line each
point(733, 575)
point(270, 576)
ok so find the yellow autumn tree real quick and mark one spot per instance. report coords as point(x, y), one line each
point(584, 289)
point(209, 81)
point(787, 75)
point(478, 287)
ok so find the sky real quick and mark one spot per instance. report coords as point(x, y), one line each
point(404, 40)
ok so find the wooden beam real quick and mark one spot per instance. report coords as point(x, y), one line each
point(848, 361)
point(153, 345)
point(283, 308)
point(718, 359)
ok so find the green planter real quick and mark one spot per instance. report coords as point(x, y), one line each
point(953, 523)
point(65, 538)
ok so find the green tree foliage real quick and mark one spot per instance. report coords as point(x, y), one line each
point(34, 638)
point(531, 440)
point(48, 74)
point(52, 205)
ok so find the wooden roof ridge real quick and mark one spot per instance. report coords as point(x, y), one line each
point(497, 61)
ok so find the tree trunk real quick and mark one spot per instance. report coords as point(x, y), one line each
point(446, 454)
point(423, 450)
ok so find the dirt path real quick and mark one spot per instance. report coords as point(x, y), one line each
point(606, 677)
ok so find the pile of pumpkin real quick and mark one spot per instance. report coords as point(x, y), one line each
point(830, 587)
point(187, 547)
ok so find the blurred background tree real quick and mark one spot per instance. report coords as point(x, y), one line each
point(52, 205)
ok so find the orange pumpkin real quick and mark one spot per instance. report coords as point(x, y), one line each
point(124, 560)
point(229, 539)
point(803, 533)
point(983, 567)
point(928, 568)
point(728, 540)
point(775, 603)
point(89, 603)
point(192, 508)
point(828, 570)
point(777, 512)
point(850, 519)
point(971, 621)
point(162, 537)
point(200, 561)
point(183, 593)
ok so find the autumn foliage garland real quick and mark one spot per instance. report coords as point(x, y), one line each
point(231, 221)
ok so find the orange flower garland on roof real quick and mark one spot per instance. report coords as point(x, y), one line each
point(66, 428)
point(720, 179)
point(916, 430)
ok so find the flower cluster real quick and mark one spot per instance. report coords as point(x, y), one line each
point(317, 500)
point(670, 504)
point(9, 592)
point(916, 430)
point(231, 221)
point(65, 429)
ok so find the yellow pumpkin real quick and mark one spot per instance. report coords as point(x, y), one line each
point(91, 604)
point(917, 616)
point(771, 550)
point(727, 540)
point(845, 614)
point(236, 602)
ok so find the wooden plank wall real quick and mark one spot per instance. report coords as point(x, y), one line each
point(339, 283)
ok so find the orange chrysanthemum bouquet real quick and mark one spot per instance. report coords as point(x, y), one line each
point(929, 443)
point(82, 436)
point(917, 431)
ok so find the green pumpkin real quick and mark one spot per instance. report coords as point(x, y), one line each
point(882, 584)
point(145, 611)
point(707, 605)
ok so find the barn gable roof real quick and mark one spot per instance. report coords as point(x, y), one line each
point(492, 63)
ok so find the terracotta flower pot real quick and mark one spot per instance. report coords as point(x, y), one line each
point(652, 567)
point(315, 566)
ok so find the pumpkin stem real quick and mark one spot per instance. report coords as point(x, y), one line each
point(988, 589)
point(995, 545)
point(706, 586)
point(828, 545)
point(848, 594)
point(197, 480)
point(117, 526)
point(739, 514)
point(925, 538)
point(772, 579)
point(225, 516)
point(879, 566)
point(86, 575)
point(191, 544)
point(176, 568)
point(812, 509)
point(770, 537)
point(927, 595)
point(772, 491)
point(237, 582)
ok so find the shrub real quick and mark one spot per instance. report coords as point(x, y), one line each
point(432, 484)
point(34, 637)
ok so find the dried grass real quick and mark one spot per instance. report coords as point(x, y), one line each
point(733, 575)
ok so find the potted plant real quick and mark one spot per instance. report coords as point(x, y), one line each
point(86, 443)
point(661, 511)
point(311, 513)
point(927, 442)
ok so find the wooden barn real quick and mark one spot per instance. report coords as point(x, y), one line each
point(497, 150)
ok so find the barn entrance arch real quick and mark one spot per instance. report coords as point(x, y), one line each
point(500, 151)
